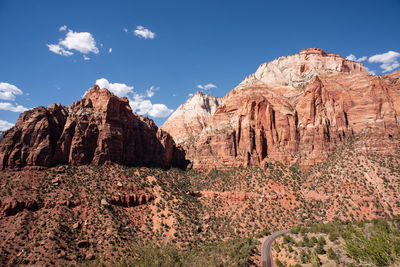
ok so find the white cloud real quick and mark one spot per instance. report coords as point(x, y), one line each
point(125, 30)
point(5, 125)
point(119, 89)
point(151, 91)
point(160, 111)
point(59, 50)
point(9, 91)
point(63, 28)
point(207, 86)
point(82, 42)
point(144, 107)
point(354, 58)
point(110, 50)
point(86, 58)
point(190, 95)
point(389, 60)
point(143, 32)
point(12, 107)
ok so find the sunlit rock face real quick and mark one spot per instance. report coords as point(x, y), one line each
point(100, 129)
point(295, 109)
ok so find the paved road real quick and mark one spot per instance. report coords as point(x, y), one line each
point(266, 257)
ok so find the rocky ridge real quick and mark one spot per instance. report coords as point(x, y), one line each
point(298, 109)
point(101, 128)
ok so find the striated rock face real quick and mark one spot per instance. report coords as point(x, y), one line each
point(297, 109)
point(187, 122)
point(99, 129)
point(191, 117)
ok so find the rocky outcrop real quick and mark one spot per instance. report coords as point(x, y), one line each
point(298, 109)
point(11, 207)
point(130, 200)
point(101, 128)
point(1, 134)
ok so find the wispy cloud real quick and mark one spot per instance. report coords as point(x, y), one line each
point(144, 32)
point(354, 58)
point(9, 91)
point(389, 60)
point(207, 86)
point(110, 50)
point(11, 107)
point(63, 28)
point(151, 91)
point(55, 48)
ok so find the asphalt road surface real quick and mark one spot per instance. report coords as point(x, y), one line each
point(266, 257)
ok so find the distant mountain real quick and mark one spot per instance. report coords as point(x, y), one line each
point(191, 117)
point(294, 109)
point(1, 134)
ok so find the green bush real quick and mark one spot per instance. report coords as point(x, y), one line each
point(315, 259)
point(330, 253)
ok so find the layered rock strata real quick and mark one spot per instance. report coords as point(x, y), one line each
point(298, 109)
point(101, 128)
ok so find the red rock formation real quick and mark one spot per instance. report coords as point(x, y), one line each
point(100, 128)
point(190, 119)
point(130, 200)
point(298, 109)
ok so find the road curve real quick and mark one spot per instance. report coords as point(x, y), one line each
point(266, 257)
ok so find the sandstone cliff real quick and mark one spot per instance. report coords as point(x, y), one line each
point(298, 109)
point(187, 122)
point(98, 129)
point(191, 117)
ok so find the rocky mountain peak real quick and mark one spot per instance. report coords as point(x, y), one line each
point(101, 99)
point(294, 109)
point(199, 103)
point(314, 50)
point(297, 70)
point(192, 116)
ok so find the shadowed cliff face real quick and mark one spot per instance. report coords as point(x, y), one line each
point(99, 129)
point(297, 109)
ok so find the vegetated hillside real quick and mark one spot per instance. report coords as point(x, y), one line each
point(75, 214)
point(365, 243)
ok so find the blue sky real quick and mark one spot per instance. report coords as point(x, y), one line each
point(178, 45)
